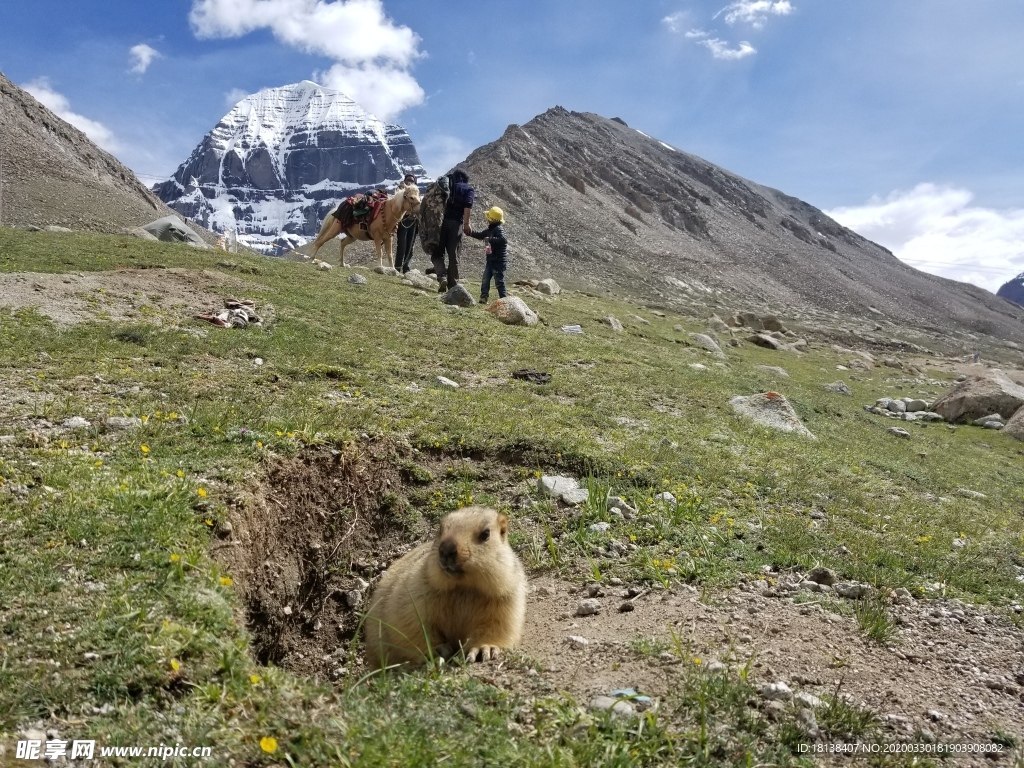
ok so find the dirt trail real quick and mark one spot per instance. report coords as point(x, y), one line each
point(153, 295)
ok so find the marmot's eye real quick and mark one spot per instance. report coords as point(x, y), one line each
point(485, 534)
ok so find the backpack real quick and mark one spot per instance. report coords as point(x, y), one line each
point(435, 198)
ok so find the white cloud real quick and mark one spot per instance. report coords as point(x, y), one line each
point(935, 229)
point(59, 105)
point(143, 56)
point(755, 12)
point(721, 50)
point(674, 22)
point(382, 90)
point(440, 153)
point(696, 34)
point(235, 95)
point(373, 55)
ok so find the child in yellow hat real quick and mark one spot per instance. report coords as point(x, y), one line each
point(497, 253)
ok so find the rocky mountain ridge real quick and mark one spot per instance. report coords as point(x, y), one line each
point(605, 207)
point(54, 175)
point(282, 158)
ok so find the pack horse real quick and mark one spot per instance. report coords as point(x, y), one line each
point(383, 223)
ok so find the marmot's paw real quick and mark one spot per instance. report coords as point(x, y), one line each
point(483, 653)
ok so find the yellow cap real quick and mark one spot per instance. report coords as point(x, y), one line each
point(495, 214)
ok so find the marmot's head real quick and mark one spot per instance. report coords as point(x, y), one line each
point(471, 543)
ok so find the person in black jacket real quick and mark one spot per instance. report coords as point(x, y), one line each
point(497, 253)
point(455, 223)
point(406, 233)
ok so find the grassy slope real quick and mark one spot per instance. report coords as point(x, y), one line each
point(104, 536)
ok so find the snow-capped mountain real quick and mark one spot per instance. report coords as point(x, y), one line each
point(279, 161)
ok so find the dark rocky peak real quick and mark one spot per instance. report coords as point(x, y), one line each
point(1013, 290)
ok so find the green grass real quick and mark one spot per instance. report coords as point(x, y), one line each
point(116, 620)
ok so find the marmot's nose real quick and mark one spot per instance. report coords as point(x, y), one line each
point(448, 551)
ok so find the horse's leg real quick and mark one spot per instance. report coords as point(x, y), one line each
point(388, 250)
point(330, 229)
point(377, 246)
point(345, 240)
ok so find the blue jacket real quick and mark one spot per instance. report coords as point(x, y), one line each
point(495, 236)
point(460, 199)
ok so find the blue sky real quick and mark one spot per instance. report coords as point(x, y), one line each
point(903, 119)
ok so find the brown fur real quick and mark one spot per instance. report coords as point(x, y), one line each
point(381, 230)
point(429, 602)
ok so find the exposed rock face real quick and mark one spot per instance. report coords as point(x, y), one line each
point(283, 158)
point(772, 410)
point(54, 175)
point(1015, 426)
point(601, 206)
point(1013, 290)
point(981, 396)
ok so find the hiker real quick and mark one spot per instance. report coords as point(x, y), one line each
point(406, 232)
point(497, 253)
point(455, 223)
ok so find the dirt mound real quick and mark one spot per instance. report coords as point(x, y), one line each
point(154, 295)
point(306, 542)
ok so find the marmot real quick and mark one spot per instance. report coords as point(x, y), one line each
point(465, 589)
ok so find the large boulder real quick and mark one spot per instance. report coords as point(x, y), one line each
point(704, 341)
point(171, 229)
point(772, 410)
point(991, 392)
point(549, 286)
point(458, 296)
point(1015, 426)
point(513, 311)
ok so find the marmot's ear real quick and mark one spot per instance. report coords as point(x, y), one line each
point(503, 526)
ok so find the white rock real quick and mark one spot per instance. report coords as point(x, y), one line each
point(619, 709)
point(577, 642)
point(76, 422)
point(807, 700)
point(558, 486)
point(549, 286)
point(447, 382)
point(575, 496)
point(776, 692)
point(599, 527)
point(967, 493)
point(588, 607)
